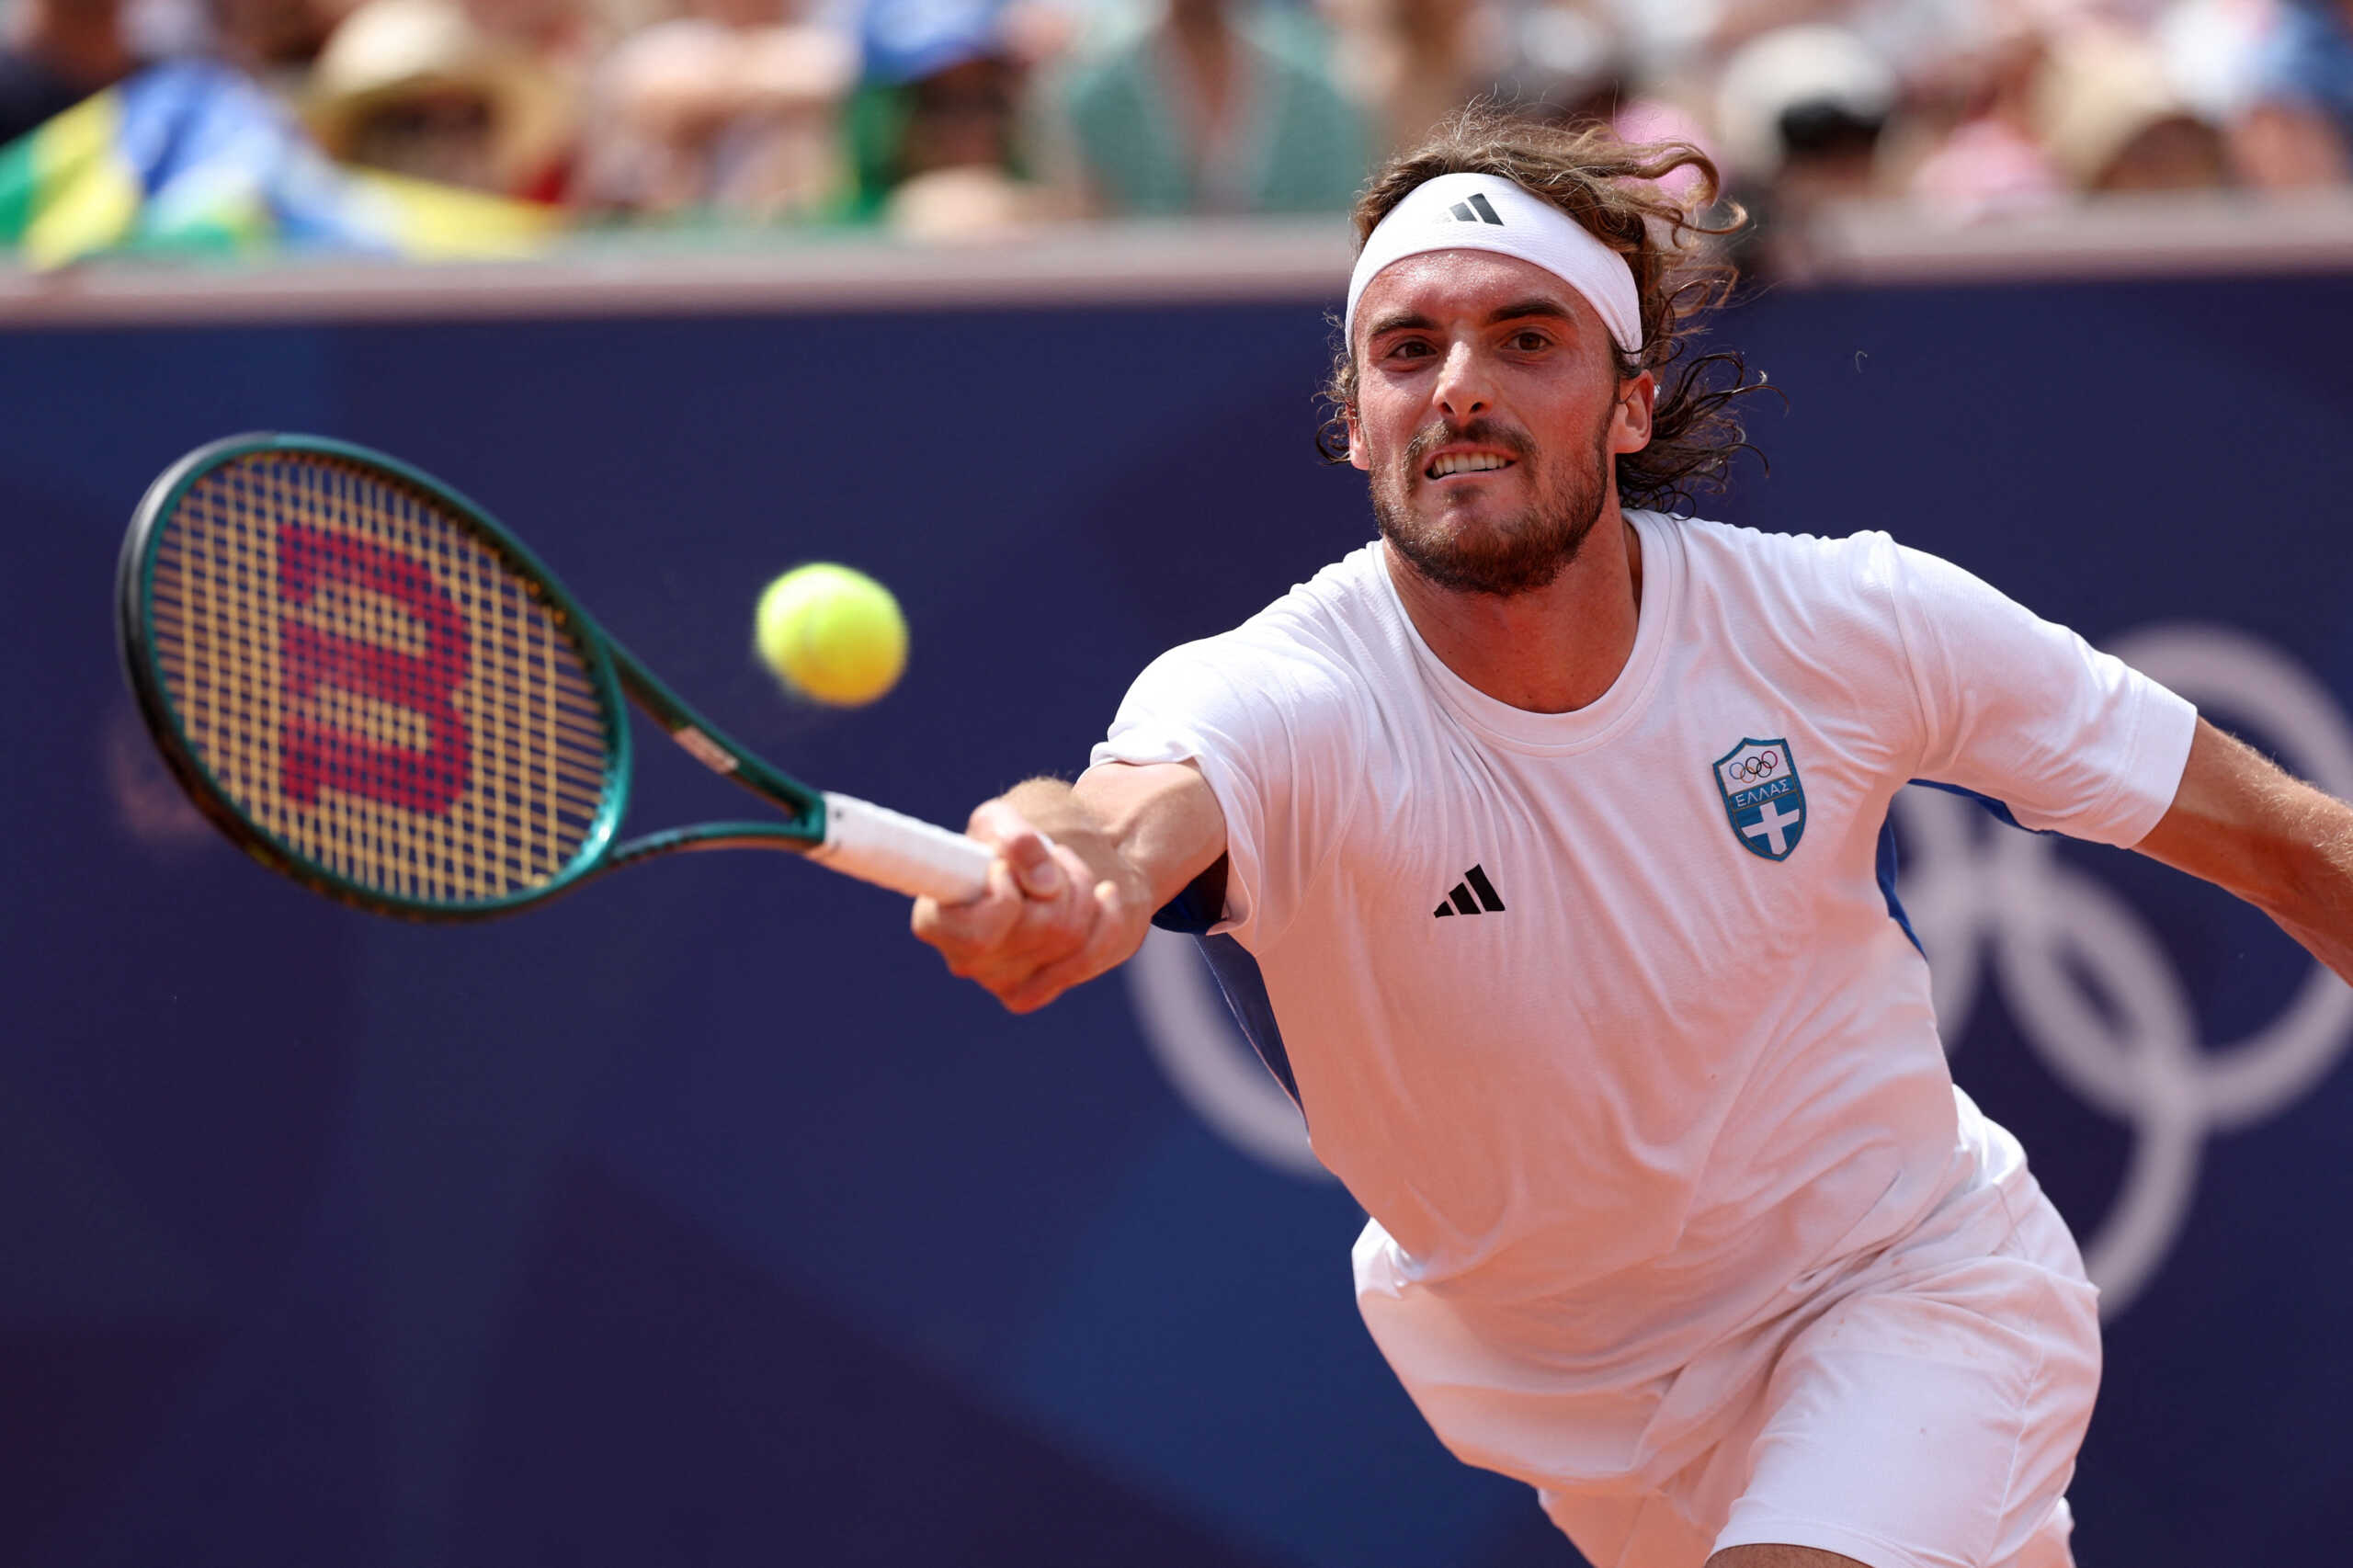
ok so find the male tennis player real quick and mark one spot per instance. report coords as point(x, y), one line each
point(1552, 828)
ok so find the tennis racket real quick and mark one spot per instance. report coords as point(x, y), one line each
point(375, 689)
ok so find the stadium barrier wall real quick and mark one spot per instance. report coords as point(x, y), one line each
point(701, 1219)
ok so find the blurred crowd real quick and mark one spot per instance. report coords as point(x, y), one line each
point(965, 118)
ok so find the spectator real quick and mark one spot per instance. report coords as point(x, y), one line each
point(1988, 160)
point(59, 53)
point(1413, 63)
point(730, 110)
point(2299, 128)
point(1207, 105)
point(1416, 61)
point(1800, 112)
point(1802, 108)
point(2212, 50)
point(1570, 61)
point(559, 40)
point(2110, 120)
point(935, 132)
point(415, 87)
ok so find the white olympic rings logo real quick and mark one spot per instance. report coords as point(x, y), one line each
point(2003, 902)
point(1986, 903)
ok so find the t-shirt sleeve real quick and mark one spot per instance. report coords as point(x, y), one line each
point(2071, 739)
point(1269, 730)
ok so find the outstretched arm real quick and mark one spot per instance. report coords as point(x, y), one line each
point(1079, 872)
point(2284, 847)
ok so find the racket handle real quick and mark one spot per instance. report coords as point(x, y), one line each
point(880, 846)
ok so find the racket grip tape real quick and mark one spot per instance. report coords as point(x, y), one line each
point(882, 847)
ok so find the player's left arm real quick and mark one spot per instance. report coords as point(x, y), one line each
point(2242, 823)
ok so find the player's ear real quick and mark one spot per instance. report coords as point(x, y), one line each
point(1629, 422)
point(1358, 456)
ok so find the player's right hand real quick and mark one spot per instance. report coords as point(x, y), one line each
point(1046, 923)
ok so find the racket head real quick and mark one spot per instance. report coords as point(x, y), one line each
point(367, 683)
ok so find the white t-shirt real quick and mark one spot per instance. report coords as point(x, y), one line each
point(1607, 1017)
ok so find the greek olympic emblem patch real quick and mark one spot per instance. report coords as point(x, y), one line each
point(1763, 796)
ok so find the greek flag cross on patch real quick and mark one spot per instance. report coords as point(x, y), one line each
point(1763, 796)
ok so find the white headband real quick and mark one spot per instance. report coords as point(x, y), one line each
point(1485, 213)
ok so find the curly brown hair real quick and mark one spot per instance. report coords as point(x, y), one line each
point(1613, 188)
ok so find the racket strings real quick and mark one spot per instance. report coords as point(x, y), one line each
point(372, 685)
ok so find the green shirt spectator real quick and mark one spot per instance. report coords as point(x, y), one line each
point(1208, 109)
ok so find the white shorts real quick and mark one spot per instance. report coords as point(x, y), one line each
point(1922, 1412)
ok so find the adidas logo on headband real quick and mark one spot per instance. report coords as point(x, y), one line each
point(1474, 211)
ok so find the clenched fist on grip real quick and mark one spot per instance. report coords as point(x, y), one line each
point(1078, 873)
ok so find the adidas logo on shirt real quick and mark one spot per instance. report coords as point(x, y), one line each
point(1474, 892)
point(1474, 211)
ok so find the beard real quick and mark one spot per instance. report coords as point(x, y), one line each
point(1514, 555)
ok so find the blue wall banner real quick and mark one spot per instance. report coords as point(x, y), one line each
point(702, 1219)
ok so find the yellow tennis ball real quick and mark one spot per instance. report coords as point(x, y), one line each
point(832, 633)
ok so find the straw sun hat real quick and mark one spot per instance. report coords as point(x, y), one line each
point(389, 53)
